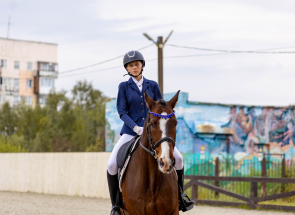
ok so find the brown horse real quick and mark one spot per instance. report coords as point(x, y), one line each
point(150, 182)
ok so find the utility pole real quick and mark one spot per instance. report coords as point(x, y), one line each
point(160, 44)
point(8, 26)
point(160, 63)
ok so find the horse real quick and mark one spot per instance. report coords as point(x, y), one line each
point(150, 181)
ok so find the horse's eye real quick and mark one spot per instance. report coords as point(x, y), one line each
point(175, 123)
point(152, 124)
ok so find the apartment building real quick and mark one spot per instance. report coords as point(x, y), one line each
point(28, 71)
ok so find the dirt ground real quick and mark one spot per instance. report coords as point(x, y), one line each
point(39, 204)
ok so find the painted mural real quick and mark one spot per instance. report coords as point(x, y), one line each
point(238, 133)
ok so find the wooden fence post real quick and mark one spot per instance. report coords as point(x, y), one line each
point(263, 174)
point(216, 174)
point(283, 172)
point(253, 194)
point(195, 192)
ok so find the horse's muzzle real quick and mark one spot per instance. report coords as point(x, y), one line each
point(166, 165)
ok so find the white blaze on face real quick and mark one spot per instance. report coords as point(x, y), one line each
point(164, 145)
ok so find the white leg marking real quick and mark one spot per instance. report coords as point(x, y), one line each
point(164, 146)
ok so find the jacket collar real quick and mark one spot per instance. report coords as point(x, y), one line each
point(145, 84)
point(134, 86)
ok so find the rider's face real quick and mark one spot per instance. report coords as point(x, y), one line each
point(134, 67)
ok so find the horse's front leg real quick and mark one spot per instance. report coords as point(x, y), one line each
point(175, 212)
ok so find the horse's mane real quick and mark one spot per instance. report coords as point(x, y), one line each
point(162, 102)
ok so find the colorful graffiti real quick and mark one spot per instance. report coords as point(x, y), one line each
point(206, 131)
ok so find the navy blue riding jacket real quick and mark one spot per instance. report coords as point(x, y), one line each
point(131, 105)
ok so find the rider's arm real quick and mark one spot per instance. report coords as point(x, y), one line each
point(122, 106)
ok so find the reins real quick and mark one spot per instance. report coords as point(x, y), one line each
point(152, 145)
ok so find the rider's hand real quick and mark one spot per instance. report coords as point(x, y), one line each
point(138, 130)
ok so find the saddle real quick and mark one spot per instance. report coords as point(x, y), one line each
point(124, 156)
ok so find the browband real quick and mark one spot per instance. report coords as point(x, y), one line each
point(163, 116)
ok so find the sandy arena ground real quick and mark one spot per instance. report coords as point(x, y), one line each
point(39, 204)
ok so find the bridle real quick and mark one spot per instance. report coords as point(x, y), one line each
point(152, 145)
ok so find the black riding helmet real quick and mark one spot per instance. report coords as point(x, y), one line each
point(133, 56)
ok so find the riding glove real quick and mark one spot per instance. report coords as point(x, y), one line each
point(138, 130)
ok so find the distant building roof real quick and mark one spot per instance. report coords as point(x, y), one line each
point(55, 44)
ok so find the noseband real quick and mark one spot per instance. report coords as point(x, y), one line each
point(152, 144)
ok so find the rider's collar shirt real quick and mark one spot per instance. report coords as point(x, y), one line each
point(138, 83)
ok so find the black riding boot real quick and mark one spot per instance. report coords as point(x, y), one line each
point(114, 193)
point(185, 203)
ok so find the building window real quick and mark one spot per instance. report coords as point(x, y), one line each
point(16, 64)
point(55, 67)
point(3, 63)
point(15, 100)
point(30, 66)
point(29, 83)
point(15, 82)
point(48, 67)
point(28, 100)
point(4, 81)
point(46, 82)
point(42, 101)
point(2, 99)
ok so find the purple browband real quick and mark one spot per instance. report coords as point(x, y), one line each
point(163, 116)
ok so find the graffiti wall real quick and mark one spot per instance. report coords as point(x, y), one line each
point(206, 131)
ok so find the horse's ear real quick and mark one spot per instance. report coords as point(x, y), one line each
point(174, 100)
point(149, 101)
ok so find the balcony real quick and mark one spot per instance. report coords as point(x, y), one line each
point(51, 74)
point(48, 69)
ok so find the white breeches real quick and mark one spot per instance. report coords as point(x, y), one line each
point(112, 163)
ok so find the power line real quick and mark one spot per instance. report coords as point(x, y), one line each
point(229, 51)
point(89, 72)
point(105, 61)
point(181, 56)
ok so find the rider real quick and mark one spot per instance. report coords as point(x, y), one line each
point(133, 110)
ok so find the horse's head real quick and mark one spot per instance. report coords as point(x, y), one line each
point(161, 127)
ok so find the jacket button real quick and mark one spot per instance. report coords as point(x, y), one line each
point(142, 110)
point(142, 118)
point(141, 103)
point(140, 96)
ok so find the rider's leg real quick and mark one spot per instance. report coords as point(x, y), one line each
point(112, 175)
point(178, 159)
point(185, 203)
point(112, 163)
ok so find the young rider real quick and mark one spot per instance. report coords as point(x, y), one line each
point(133, 110)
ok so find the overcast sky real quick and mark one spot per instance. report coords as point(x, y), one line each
point(88, 32)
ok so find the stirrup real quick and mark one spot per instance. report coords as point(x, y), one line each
point(182, 201)
point(182, 205)
point(118, 208)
